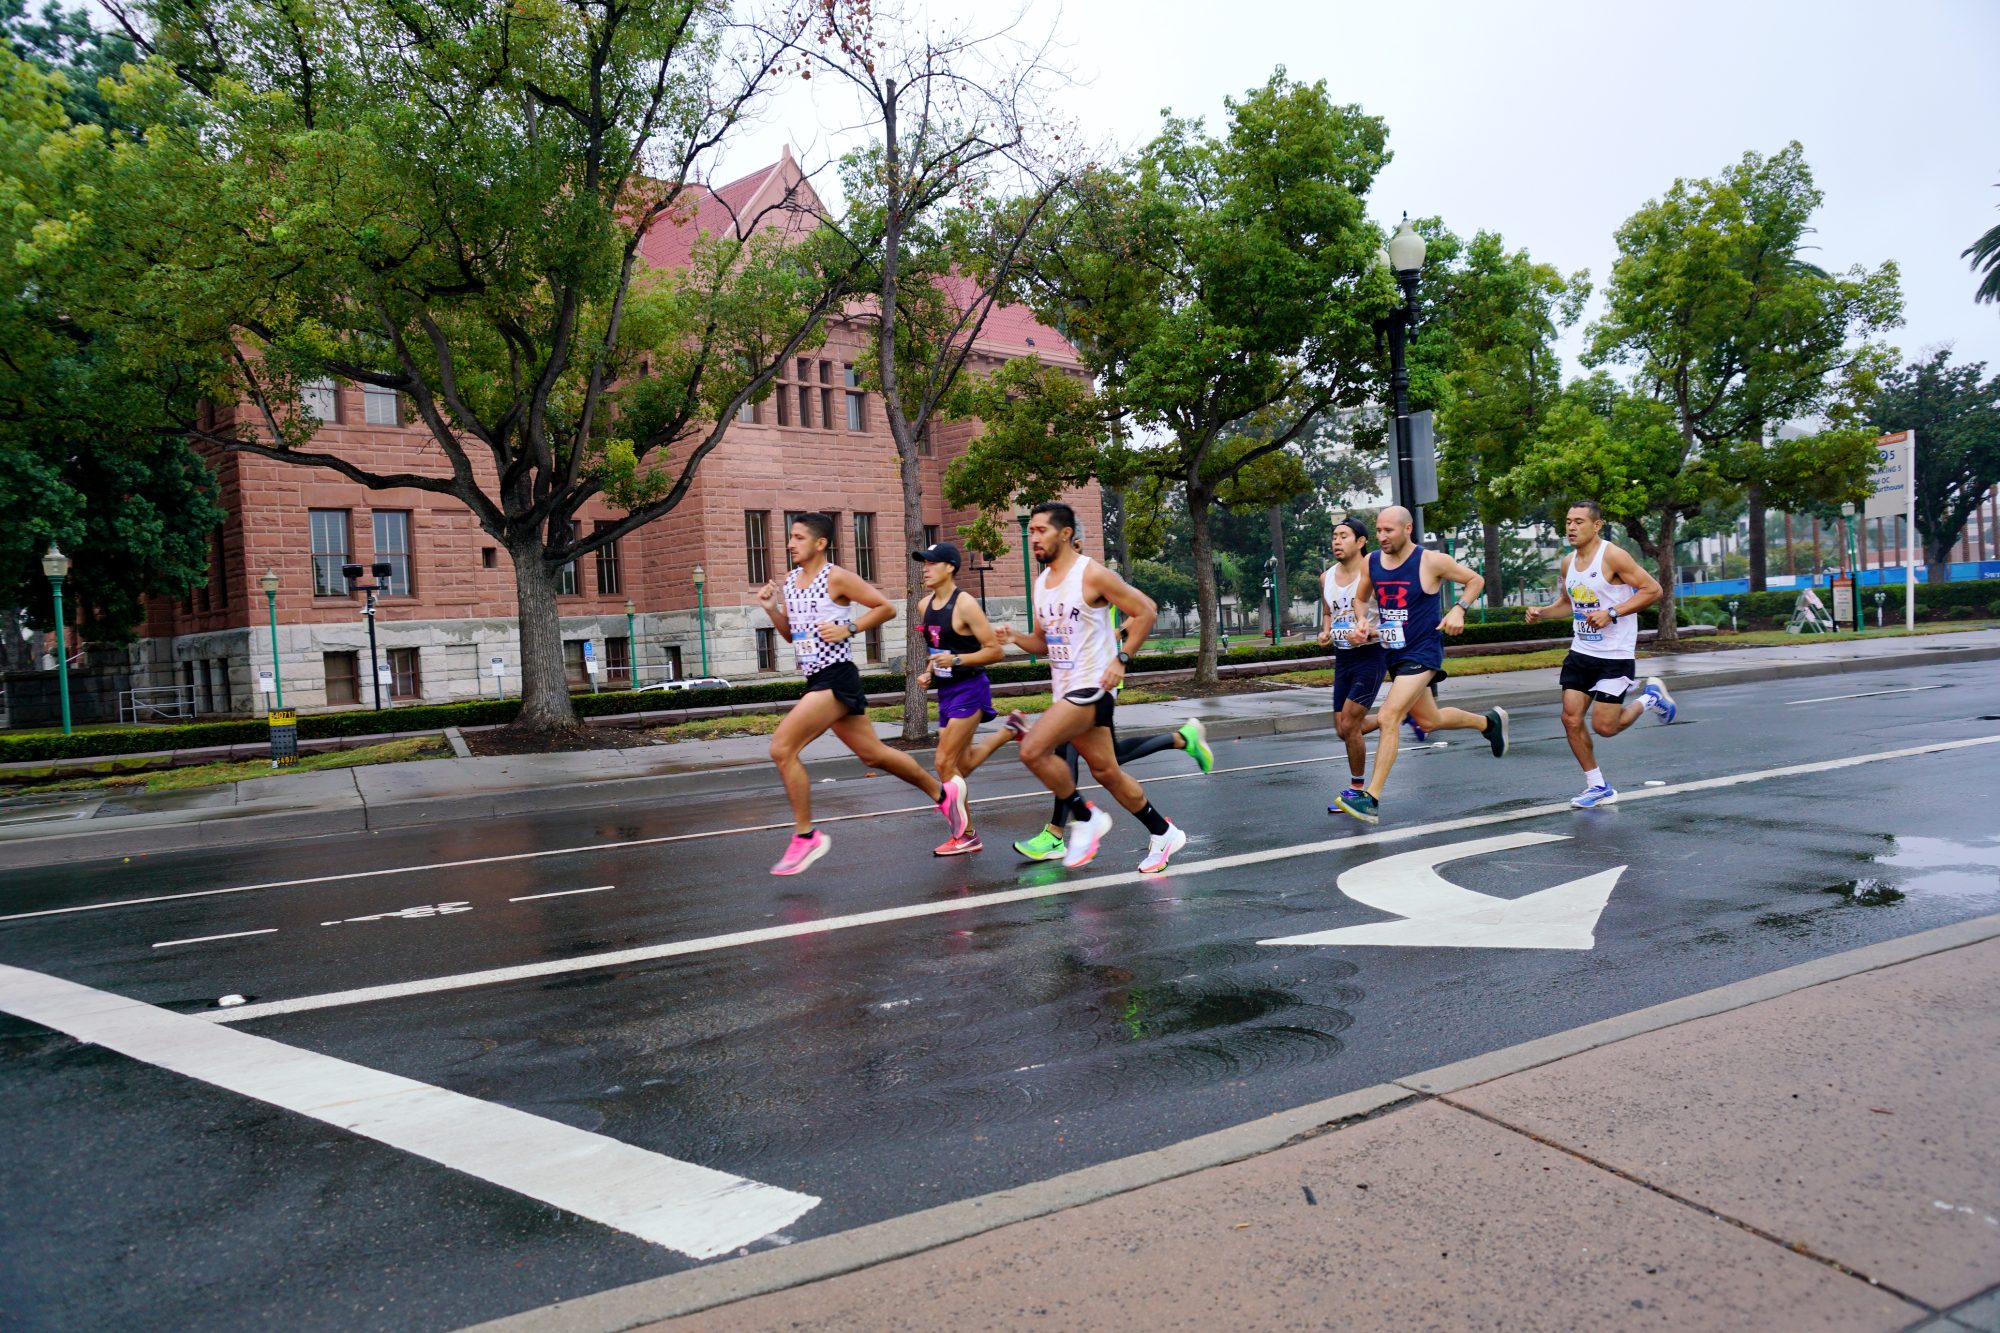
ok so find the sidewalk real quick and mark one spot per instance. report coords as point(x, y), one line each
point(1818, 1148)
point(58, 827)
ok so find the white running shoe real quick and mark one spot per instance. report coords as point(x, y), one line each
point(1084, 836)
point(1161, 850)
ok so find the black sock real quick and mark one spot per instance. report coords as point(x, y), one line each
point(1060, 815)
point(1078, 807)
point(1155, 822)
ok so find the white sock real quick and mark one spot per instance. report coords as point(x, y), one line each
point(1594, 778)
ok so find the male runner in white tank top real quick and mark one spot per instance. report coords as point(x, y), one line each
point(812, 611)
point(1087, 658)
point(1602, 589)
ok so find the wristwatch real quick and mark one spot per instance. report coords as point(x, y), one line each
point(1613, 610)
point(1124, 658)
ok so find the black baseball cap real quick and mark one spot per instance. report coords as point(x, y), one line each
point(938, 553)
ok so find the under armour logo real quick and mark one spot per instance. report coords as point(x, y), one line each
point(1395, 596)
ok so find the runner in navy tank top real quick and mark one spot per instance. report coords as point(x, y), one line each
point(1407, 580)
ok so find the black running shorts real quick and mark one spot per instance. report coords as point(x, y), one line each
point(844, 679)
point(1604, 679)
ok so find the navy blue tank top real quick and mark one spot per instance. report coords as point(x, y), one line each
point(1409, 614)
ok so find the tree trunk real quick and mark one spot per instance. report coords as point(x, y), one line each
point(1113, 499)
point(1489, 535)
point(1753, 495)
point(1280, 594)
point(1663, 557)
point(916, 652)
point(545, 702)
point(1205, 600)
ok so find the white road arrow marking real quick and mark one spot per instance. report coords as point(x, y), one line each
point(1439, 914)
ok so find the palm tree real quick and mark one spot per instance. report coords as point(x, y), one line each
point(1985, 253)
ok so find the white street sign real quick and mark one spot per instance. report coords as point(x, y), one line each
point(265, 682)
point(1439, 914)
point(384, 676)
point(590, 665)
point(499, 668)
point(1895, 483)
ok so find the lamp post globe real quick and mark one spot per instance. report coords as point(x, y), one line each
point(56, 565)
point(1406, 248)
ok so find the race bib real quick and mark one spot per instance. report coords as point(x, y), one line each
point(1343, 633)
point(1585, 631)
point(1059, 647)
point(1392, 634)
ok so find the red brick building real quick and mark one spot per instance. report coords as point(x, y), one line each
point(817, 443)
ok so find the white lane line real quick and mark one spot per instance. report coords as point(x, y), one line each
point(1865, 694)
point(204, 939)
point(926, 808)
point(560, 893)
point(695, 1210)
point(649, 953)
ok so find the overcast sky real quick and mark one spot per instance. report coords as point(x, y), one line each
point(1551, 122)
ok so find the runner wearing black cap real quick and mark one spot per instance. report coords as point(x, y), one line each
point(961, 645)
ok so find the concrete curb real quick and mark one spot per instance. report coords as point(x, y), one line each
point(830, 1256)
point(25, 846)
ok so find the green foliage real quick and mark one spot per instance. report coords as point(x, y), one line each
point(1167, 586)
point(1955, 412)
point(1985, 253)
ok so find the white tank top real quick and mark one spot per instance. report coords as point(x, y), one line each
point(808, 608)
point(1080, 638)
point(1589, 590)
point(1349, 616)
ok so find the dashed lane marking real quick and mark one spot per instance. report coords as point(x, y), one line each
point(1037, 794)
point(1865, 694)
point(650, 953)
point(205, 939)
point(695, 1210)
point(560, 893)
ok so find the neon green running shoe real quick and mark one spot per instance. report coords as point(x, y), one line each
point(1048, 845)
point(1196, 736)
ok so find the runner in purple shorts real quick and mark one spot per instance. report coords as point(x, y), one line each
point(961, 645)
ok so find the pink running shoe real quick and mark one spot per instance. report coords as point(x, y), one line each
point(1016, 725)
point(959, 846)
point(804, 850)
point(953, 806)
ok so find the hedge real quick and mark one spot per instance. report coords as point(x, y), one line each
point(1967, 599)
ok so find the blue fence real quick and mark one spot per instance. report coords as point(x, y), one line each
point(1960, 572)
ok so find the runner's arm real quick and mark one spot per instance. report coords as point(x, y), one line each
point(1560, 606)
point(1367, 615)
point(1027, 640)
point(774, 608)
point(969, 618)
point(1619, 564)
point(851, 587)
point(1437, 562)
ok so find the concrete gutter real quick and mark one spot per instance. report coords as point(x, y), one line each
point(275, 809)
point(863, 1247)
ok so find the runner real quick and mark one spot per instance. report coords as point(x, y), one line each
point(1073, 600)
point(1406, 579)
point(961, 648)
point(812, 611)
point(1603, 589)
point(1349, 624)
point(1051, 842)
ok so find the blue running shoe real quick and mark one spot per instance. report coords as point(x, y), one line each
point(1346, 794)
point(1592, 797)
point(1656, 698)
point(1416, 730)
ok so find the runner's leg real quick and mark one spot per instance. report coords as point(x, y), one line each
point(1099, 749)
point(1138, 747)
point(975, 755)
point(1404, 693)
point(955, 746)
point(1575, 704)
point(1610, 719)
point(1352, 723)
point(807, 722)
point(857, 733)
point(1054, 731)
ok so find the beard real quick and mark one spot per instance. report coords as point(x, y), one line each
point(1046, 559)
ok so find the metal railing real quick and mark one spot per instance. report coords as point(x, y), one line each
point(157, 703)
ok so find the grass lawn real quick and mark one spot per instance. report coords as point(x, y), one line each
point(1771, 638)
point(208, 775)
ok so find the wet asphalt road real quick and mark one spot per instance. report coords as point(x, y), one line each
point(909, 1062)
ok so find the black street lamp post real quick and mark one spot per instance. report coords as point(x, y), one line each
point(1404, 256)
point(381, 569)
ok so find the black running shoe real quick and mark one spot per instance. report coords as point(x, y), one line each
point(1496, 731)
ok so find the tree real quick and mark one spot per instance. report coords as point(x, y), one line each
point(84, 461)
point(939, 205)
point(1165, 585)
point(449, 202)
point(1956, 415)
point(1723, 327)
point(1985, 253)
point(1221, 288)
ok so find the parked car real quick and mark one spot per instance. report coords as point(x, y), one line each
point(691, 683)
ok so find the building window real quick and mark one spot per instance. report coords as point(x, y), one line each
point(826, 395)
point(864, 547)
point(608, 578)
point(573, 663)
point(381, 407)
point(329, 552)
point(757, 545)
point(319, 400)
point(767, 649)
point(343, 678)
point(872, 641)
point(406, 680)
point(673, 664)
point(930, 534)
point(924, 446)
point(857, 402)
point(618, 662)
point(566, 580)
point(805, 407)
point(392, 545)
point(218, 684)
point(782, 397)
point(489, 557)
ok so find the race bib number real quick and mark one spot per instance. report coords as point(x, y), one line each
point(1392, 633)
point(1585, 631)
point(1343, 633)
point(1059, 647)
